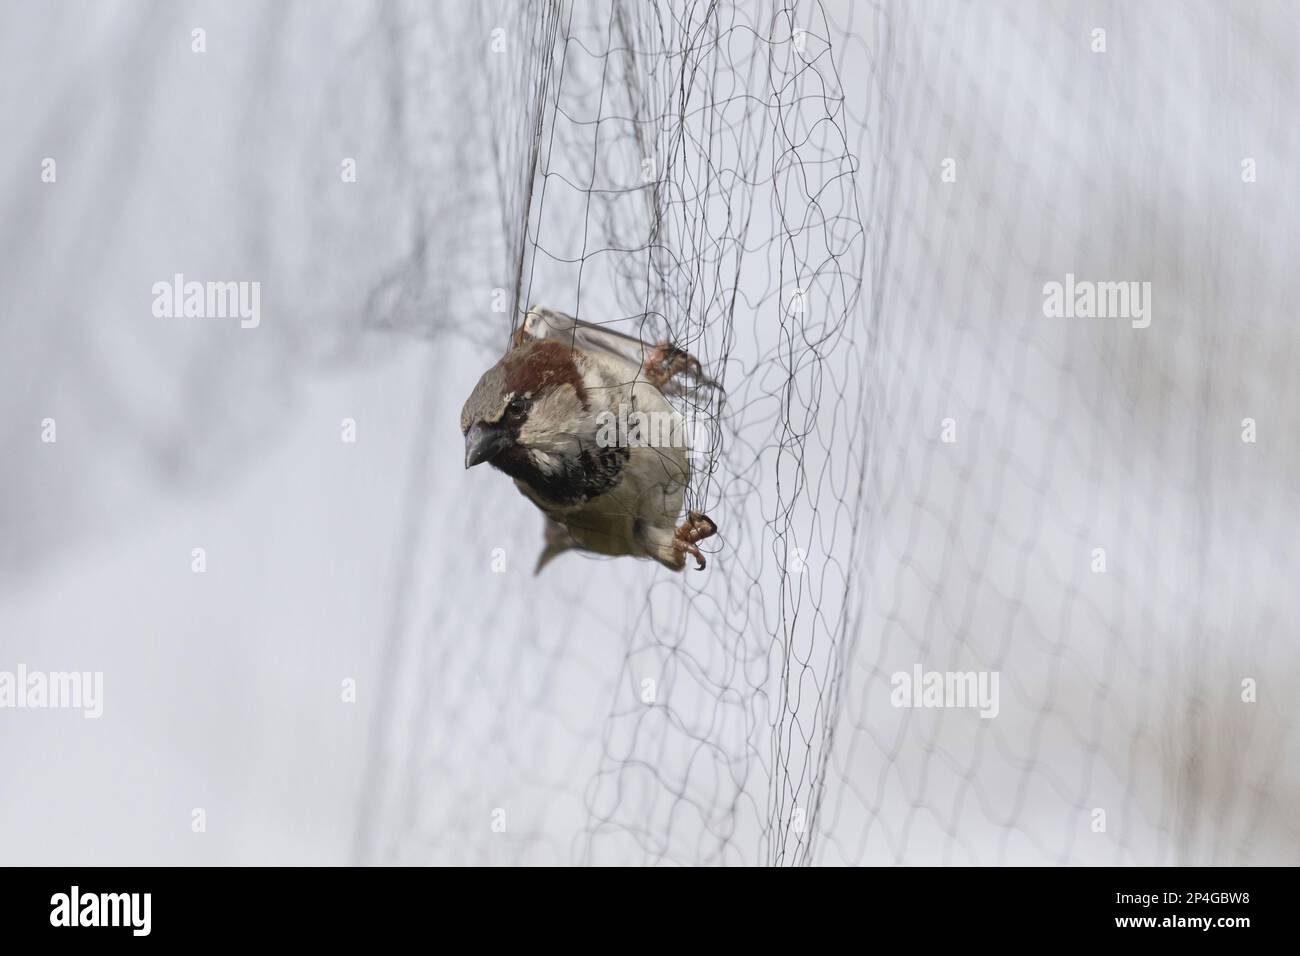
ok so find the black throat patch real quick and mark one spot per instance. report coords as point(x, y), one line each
point(592, 472)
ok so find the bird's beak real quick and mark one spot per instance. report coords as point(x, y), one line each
point(483, 443)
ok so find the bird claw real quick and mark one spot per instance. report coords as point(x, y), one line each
point(697, 527)
point(667, 361)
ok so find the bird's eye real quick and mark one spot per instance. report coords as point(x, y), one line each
point(518, 408)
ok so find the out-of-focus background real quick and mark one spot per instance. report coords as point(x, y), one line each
point(608, 711)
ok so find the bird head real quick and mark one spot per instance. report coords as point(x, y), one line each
point(527, 410)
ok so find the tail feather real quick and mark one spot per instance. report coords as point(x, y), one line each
point(557, 541)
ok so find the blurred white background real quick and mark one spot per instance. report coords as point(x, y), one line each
point(370, 561)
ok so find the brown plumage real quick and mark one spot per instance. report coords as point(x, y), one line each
point(542, 415)
point(537, 366)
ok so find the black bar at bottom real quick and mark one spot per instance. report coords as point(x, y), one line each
point(335, 906)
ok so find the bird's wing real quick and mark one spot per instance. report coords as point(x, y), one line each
point(671, 369)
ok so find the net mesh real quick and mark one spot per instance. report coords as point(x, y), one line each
point(847, 214)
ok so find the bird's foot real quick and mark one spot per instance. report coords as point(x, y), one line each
point(697, 527)
point(666, 362)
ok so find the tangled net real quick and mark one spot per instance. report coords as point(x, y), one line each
point(701, 173)
point(693, 183)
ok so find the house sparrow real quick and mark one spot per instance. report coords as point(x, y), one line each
point(552, 414)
